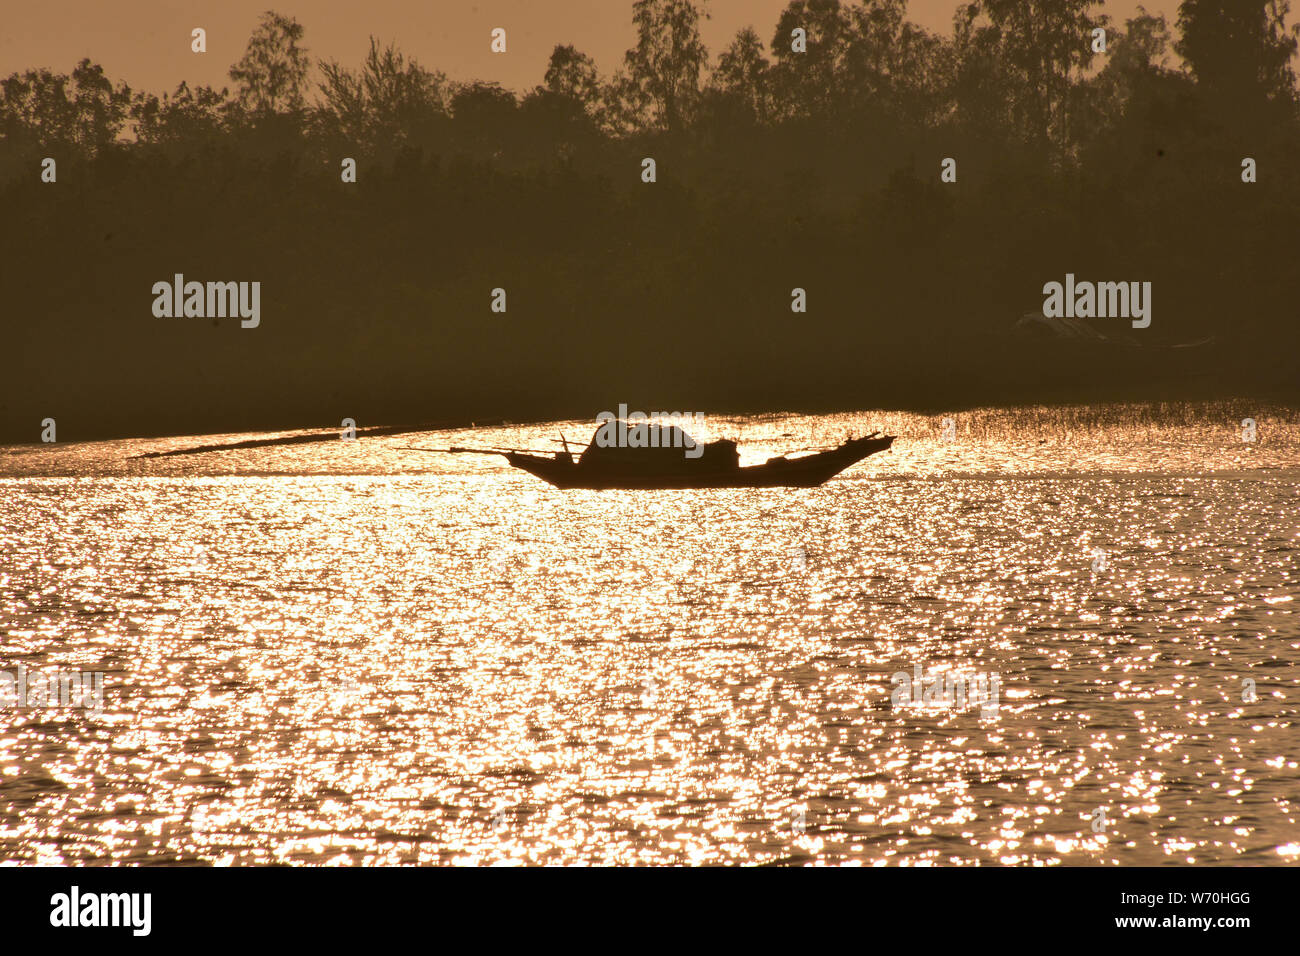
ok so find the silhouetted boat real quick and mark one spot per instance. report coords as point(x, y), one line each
point(663, 463)
point(1083, 333)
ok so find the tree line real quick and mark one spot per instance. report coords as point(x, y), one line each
point(810, 159)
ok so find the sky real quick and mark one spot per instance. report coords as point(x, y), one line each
point(147, 42)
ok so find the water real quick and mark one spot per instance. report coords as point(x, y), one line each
point(349, 653)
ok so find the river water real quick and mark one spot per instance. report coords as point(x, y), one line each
point(351, 653)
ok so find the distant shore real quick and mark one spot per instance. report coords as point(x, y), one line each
point(1154, 401)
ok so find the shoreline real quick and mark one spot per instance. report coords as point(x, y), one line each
point(1261, 402)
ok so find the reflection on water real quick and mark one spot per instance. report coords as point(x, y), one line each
point(346, 653)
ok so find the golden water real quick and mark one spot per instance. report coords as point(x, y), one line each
point(349, 653)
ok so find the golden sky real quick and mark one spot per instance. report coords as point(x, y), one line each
point(147, 42)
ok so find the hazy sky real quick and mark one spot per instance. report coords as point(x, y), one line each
point(147, 42)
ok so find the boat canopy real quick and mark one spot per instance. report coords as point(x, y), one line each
point(647, 443)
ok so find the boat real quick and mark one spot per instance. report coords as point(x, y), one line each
point(663, 460)
point(1078, 333)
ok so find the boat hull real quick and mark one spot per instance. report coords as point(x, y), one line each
point(806, 472)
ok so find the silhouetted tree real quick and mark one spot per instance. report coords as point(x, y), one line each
point(873, 31)
point(272, 74)
point(662, 82)
point(572, 74)
point(1135, 57)
point(984, 85)
point(891, 65)
point(84, 110)
point(1045, 44)
point(389, 100)
point(483, 115)
point(564, 107)
point(922, 73)
point(1239, 50)
point(187, 118)
point(805, 84)
point(742, 74)
point(1134, 97)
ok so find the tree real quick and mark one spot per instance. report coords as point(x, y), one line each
point(1135, 89)
point(922, 71)
point(891, 64)
point(100, 109)
point(572, 75)
point(984, 84)
point(272, 75)
point(1045, 44)
point(186, 117)
point(664, 67)
point(566, 105)
point(484, 117)
point(742, 73)
point(84, 110)
point(871, 37)
point(1239, 50)
point(806, 83)
point(621, 107)
point(390, 98)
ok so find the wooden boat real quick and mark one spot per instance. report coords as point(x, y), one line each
point(665, 465)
